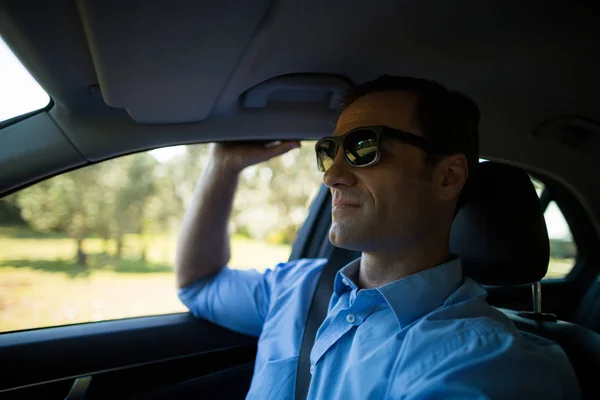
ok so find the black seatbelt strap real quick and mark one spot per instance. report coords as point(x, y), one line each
point(317, 312)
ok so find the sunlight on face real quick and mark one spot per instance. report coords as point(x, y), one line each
point(391, 200)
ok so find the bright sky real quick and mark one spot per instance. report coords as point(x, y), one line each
point(556, 223)
point(20, 94)
point(166, 153)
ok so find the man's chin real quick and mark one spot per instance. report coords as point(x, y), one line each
point(345, 237)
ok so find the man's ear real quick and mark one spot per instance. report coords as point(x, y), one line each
point(451, 175)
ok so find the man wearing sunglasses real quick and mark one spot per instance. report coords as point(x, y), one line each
point(402, 320)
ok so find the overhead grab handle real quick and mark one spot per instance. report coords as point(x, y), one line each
point(298, 88)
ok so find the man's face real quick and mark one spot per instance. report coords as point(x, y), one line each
point(389, 205)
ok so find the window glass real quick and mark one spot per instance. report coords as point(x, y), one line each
point(563, 251)
point(19, 92)
point(539, 186)
point(98, 243)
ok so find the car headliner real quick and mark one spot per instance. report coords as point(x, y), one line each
point(133, 75)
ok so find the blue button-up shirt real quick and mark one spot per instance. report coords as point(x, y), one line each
point(429, 335)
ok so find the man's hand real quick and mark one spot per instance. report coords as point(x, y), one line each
point(203, 245)
point(235, 156)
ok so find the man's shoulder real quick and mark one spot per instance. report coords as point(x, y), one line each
point(298, 270)
point(473, 325)
point(300, 266)
point(470, 327)
point(476, 338)
point(483, 356)
point(465, 312)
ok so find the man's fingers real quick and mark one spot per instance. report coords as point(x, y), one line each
point(283, 147)
point(243, 154)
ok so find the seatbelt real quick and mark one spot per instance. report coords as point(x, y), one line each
point(317, 312)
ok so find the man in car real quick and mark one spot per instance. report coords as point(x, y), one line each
point(403, 322)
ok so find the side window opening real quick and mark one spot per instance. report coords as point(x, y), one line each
point(563, 250)
point(92, 244)
point(98, 243)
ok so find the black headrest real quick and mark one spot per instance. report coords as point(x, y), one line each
point(500, 233)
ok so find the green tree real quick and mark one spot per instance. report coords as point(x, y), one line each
point(10, 213)
point(110, 179)
point(108, 199)
point(66, 204)
point(273, 197)
point(164, 208)
point(186, 169)
point(132, 196)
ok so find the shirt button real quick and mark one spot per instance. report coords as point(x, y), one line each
point(350, 318)
point(312, 369)
point(345, 281)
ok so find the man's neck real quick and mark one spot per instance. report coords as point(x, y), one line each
point(378, 269)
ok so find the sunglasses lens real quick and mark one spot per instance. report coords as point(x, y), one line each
point(360, 147)
point(325, 154)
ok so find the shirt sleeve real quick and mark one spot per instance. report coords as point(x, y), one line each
point(234, 299)
point(493, 365)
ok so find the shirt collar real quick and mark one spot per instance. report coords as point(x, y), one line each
point(412, 297)
point(346, 277)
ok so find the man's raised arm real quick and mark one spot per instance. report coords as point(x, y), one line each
point(203, 244)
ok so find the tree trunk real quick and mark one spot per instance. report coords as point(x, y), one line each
point(144, 243)
point(119, 247)
point(81, 256)
point(106, 242)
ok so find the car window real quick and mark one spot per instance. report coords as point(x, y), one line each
point(563, 250)
point(538, 185)
point(19, 92)
point(98, 243)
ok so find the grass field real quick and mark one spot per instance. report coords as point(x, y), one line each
point(41, 286)
point(559, 268)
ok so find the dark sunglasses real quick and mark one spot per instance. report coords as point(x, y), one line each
point(361, 146)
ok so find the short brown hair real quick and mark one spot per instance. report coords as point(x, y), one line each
point(448, 118)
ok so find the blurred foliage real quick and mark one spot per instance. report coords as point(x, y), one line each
point(563, 249)
point(139, 195)
point(10, 213)
point(273, 198)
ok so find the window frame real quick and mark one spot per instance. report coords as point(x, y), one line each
point(14, 120)
point(579, 222)
point(18, 118)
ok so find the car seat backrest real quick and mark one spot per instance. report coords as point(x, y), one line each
point(501, 237)
point(588, 312)
point(500, 233)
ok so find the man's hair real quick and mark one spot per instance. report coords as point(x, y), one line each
point(449, 119)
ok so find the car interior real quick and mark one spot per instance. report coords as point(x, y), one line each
point(130, 76)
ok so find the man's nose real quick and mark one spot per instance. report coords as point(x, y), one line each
point(340, 173)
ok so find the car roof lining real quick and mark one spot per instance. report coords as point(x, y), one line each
point(175, 75)
point(358, 41)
